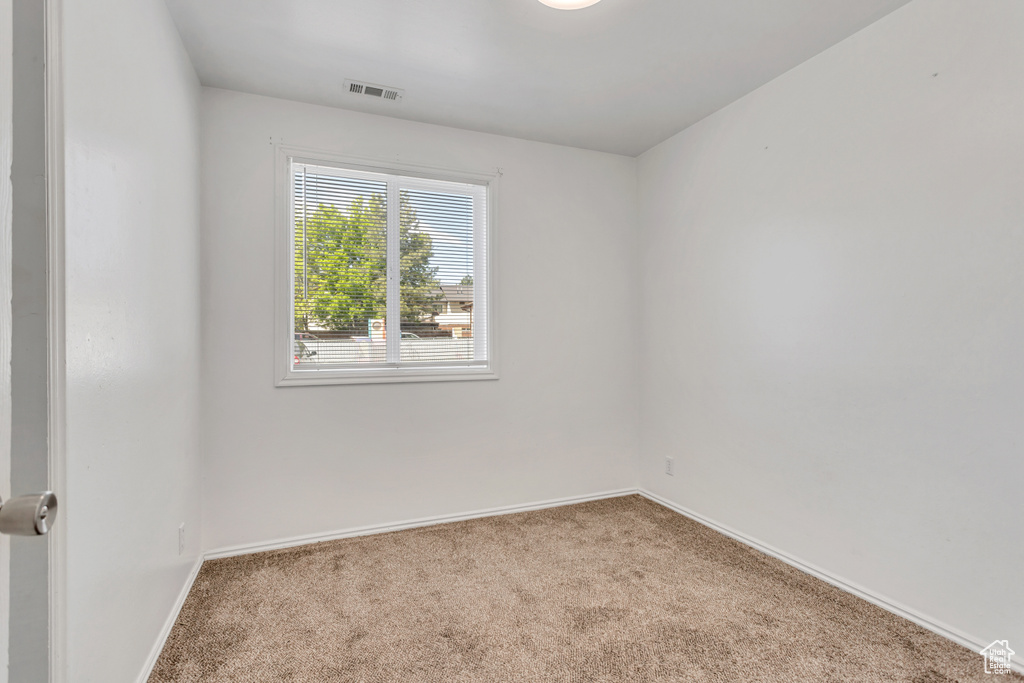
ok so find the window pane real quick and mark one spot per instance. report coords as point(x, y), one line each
point(340, 286)
point(436, 276)
point(388, 276)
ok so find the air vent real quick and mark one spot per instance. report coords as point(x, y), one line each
point(377, 92)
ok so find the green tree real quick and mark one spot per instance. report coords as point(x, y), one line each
point(466, 280)
point(340, 266)
point(419, 284)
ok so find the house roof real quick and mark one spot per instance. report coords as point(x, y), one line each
point(453, 293)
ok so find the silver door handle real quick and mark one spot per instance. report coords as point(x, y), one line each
point(30, 515)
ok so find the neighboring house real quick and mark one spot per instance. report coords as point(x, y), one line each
point(456, 305)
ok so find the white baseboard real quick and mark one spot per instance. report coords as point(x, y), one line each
point(246, 549)
point(946, 631)
point(165, 632)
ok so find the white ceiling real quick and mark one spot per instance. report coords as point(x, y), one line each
point(619, 76)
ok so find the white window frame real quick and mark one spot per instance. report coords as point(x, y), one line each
point(285, 374)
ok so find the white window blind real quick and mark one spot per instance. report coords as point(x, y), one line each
point(388, 272)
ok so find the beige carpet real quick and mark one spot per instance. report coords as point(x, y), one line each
point(614, 590)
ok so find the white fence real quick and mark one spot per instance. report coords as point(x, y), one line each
point(328, 351)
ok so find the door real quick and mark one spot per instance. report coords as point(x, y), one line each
point(24, 346)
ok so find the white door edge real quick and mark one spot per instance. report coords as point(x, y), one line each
point(6, 113)
point(57, 373)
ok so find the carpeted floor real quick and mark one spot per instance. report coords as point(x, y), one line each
point(613, 590)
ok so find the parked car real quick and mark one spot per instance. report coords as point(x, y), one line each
point(301, 351)
point(410, 335)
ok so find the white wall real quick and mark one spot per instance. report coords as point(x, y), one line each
point(561, 420)
point(834, 309)
point(132, 175)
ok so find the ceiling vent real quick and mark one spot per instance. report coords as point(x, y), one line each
point(377, 92)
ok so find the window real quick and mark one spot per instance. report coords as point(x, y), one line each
point(387, 275)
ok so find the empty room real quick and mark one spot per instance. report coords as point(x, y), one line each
point(512, 340)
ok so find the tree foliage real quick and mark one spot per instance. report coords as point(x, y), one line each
point(341, 266)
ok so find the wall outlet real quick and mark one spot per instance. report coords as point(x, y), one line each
point(670, 466)
point(181, 539)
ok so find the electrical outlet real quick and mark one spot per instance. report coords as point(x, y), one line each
point(181, 539)
point(670, 466)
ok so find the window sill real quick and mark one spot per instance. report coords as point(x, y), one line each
point(313, 377)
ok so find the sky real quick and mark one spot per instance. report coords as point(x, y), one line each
point(448, 219)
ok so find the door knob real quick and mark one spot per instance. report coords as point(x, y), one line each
point(30, 515)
